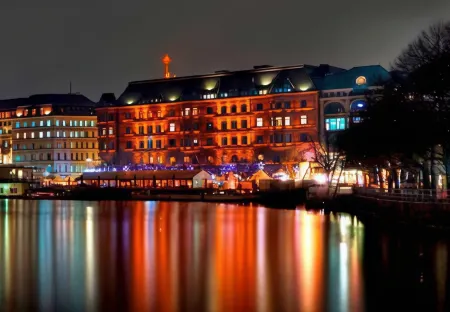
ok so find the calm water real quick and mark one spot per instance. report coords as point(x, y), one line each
point(147, 256)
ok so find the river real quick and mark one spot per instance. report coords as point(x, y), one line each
point(169, 256)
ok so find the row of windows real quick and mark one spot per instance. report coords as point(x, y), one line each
point(58, 156)
point(58, 123)
point(58, 134)
point(64, 145)
point(210, 110)
point(188, 142)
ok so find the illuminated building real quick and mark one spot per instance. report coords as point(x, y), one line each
point(7, 112)
point(343, 95)
point(55, 133)
point(263, 114)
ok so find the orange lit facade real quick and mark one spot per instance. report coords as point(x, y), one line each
point(265, 114)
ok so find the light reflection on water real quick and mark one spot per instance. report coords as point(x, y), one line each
point(147, 256)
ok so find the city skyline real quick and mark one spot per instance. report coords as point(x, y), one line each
point(101, 47)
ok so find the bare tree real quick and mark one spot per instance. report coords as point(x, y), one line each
point(325, 154)
point(430, 45)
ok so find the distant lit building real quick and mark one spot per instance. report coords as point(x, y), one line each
point(263, 114)
point(55, 133)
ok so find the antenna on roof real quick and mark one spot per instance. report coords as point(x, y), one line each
point(166, 61)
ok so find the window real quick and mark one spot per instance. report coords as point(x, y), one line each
point(195, 142)
point(49, 135)
point(224, 141)
point(187, 111)
point(356, 119)
point(303, 120)
point(25, 124)
point(129, 144)
point(223, 125)
point(158, 114)
point(195, 111)
point(259, 107)
point(303, 104)
point(287, 105)
point(234, 124)
point(33, 124)
point(150, 129)
point(209, 126)
point(234, 141)
point(243, 108)
point(259, 122)
point(127, 130)
point(57, 134)
point(141, 144)
point(244, 124)
point(244, 140)
point(259, 139)
point(149, 143)
point(41, 134)
point(158, 143)
point(303, 137)
point(223, 110)
point(172, 127)
point(17, 124)
point(288, 138)
point(277, 105)
point(49, 123)
point(141, 129)
point(172, 143)
point(287, 121)
point(64, 123)
point(234, 109)
point(41, 123)
point(158, 129)
point(209, 141)
point(277, 121)
point(333, 124)
point(110, 131)
point(209, 110)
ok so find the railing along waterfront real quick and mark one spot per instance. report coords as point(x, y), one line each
point(406, 195)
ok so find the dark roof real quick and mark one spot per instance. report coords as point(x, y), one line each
point(375, 75)
point(107, 99)
point(55, 99)
point(224, 84)
point(11, 104)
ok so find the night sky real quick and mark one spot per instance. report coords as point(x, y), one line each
point(101, 45)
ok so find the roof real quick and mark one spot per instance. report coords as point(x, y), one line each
point(144, 174)
point(55, 99)
point(375, 75)
point(257, 81)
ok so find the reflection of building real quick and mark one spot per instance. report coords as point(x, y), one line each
point(267, 113)
point(343, 95)
point(56, 133)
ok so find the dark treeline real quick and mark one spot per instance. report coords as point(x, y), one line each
point(406, 128)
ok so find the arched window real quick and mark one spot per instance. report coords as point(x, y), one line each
point(243, 108)
point(358, 105)
point(334, 108)
point(223, 110)
point(233, 109)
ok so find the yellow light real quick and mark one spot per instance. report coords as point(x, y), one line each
point(130, 102)
point(172, 98)
point(304, 88)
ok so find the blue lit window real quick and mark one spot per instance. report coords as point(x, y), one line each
point(358, 105)
point(33, 124)
point(334, 124)
point(17, 124)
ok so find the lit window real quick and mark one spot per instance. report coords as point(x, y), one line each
point(41, 123)
point(25, 135)
point(356, 119)
point(48, 134)
point(158, 114)
point(334, 124)
point(172, 127)
point(57, 123)
point(32, 135)
point(259, 122)
point(110, 130)
point(304, 120)
point(17, 135)
point(277, 121)
point(49, 123)
point(41, 134)
point(187, 111)
point(195, 111)
point(64, 123)
point(287, 121)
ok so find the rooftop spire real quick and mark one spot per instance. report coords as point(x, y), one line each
point(166, 61)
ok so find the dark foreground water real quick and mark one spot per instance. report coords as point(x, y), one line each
point(147, 256)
